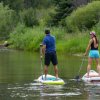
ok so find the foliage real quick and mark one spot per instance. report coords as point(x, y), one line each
point(8, 20)
point(13, 4)
point(97, 28)
point(18, 5)
point(73, 43)
point(84, 17)
point(33, 15)
point(63, 9)
point(29, 17)
point(26, 38)
point(30, 38)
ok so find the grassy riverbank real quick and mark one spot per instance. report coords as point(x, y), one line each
point(30, 38)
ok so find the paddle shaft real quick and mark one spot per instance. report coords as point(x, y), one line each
point(81, 66)
point(41, 59)
point(77, 77)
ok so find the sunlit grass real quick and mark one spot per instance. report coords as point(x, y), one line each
point(74, 44)
point(30, 38)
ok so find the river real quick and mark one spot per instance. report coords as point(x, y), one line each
point(19, 69)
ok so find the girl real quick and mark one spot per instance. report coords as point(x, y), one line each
point(93, 53)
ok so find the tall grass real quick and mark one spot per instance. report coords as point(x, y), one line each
point(29, 38)
point(26, 38)
point(74, 44)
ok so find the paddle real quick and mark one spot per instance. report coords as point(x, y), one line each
point(41, 59)
point(78, 77)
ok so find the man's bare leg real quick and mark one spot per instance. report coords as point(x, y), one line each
point(45, 71)
point(89, 66)
point(56, 71)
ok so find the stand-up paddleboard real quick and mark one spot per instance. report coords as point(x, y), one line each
point(50, 79)
point(93, 77)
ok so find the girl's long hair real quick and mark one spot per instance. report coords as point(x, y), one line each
point(96, 39)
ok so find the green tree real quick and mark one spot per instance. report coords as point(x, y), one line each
point(37, 3)
point(63, 9)
point(14, 4)
point(29, 17)
point(25, 4)
point(7, 20)
point(84, 17)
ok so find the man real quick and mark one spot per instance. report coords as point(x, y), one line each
point(49, 52)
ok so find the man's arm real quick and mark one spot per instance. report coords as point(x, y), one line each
point(43, 49)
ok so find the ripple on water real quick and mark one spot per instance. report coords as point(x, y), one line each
point(38, 90)
point(61, 94)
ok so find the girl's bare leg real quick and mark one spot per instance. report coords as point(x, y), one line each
point(89, 66)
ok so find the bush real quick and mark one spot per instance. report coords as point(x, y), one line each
point(84, 18)
point(30, 38)
point(97, 28)
point(75, 43)
point(8, 20)
point(29, 17)
point(26, 38)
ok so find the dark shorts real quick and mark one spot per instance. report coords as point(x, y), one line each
point(51, 57)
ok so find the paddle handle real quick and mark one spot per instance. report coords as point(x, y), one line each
point(41, 50)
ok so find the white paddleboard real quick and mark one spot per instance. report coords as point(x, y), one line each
point(93, 77)
point(50, 79)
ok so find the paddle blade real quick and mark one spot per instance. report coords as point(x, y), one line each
point(77, 77)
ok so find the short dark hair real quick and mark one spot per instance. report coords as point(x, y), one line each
point(47, 31)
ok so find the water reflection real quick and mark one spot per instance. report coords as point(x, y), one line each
point(39, 91)
point(93, 90)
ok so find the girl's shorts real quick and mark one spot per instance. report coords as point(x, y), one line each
point(94, 54)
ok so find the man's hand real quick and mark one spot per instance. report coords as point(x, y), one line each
point(41, 57)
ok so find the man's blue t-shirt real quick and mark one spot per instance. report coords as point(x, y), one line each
point(49, 41)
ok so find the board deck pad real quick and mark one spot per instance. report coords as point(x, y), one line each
point(93, 77)
point(50, 79)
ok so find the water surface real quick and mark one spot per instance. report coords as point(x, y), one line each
point(18, 69)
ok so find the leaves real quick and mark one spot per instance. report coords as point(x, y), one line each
point(7, 20)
